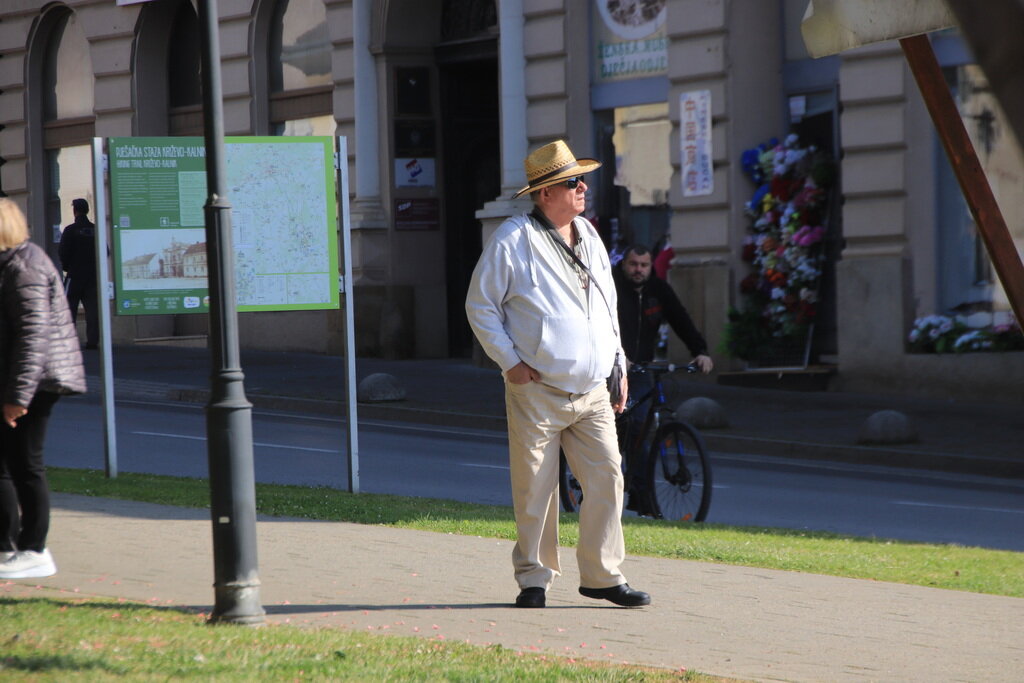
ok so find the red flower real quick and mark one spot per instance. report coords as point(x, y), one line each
point(784, 188)
point(806, 312)
point(775, 277)
point(749, 284)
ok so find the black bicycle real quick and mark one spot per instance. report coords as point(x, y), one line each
point(665, 462)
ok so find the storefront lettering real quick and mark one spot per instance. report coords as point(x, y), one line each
point(629, 47)
point(633, 57)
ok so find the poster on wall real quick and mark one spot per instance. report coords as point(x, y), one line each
point(414, 172)
point(631, 39)
point(698, 172)
point(417, 214)
point(283, 223)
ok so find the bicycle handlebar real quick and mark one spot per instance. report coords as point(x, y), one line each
point(661, 366)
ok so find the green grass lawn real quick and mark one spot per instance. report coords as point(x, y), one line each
point(944, 566)
point(57, 639)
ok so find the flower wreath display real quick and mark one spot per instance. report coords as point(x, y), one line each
point(784, 249)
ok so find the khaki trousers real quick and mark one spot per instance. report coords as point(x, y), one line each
point(540, 419)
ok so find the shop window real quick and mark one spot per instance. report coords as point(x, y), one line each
point(299, 67)
point(184, 85)
point(966, 280)
point(642, 158)
point(70, 177)
point(643, 172)
point(68, 121)
point(69, 80)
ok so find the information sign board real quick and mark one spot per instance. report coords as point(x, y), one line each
point(283, 222)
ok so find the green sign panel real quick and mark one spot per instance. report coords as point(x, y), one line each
point(283, 222)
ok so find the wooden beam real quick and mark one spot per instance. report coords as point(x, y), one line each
point(968, 170)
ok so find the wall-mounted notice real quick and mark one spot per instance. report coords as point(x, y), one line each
point(414, 173)
point(417, 214)
point(695, 143)
point(283, 221)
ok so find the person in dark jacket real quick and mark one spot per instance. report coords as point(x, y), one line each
point(78, 259)
point(645, 302)
point(39, 361)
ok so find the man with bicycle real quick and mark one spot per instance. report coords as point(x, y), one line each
point(645, 302)
point(542, 304)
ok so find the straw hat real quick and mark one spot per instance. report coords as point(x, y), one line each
point(551, 164)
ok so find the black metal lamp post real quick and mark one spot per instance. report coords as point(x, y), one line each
point(229, 413)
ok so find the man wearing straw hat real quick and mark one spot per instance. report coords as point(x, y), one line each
point(542, 303)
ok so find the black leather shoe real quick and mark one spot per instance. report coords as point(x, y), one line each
point(621, 595)
point(530, 597)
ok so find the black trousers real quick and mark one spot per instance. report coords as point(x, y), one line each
point(83, 291)
point(23, 479)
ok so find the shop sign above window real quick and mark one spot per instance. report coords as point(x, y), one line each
point(630, 39)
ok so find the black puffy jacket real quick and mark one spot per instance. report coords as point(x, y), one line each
point(39, 348)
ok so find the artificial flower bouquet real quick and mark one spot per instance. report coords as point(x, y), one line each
point(784, 248)
point(945, 334)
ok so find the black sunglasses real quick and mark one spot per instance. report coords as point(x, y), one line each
point(571, 183)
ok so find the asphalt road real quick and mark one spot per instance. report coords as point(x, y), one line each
point(471, 465)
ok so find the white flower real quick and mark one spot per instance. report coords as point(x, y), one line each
point(787, 213)
point(972, 341)
point(795, 155)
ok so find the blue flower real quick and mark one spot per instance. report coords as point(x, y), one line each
point(754, 205)
point(750, 161)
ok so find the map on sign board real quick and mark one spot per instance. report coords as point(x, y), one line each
point(283, 221)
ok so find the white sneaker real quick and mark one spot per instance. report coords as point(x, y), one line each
point(6, 555)
point(28, 564)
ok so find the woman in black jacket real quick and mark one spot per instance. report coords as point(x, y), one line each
point(39, 361)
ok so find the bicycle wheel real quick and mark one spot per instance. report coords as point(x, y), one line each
point(569, 489)
point(679, 474)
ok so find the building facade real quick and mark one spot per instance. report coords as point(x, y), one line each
point(440, 101)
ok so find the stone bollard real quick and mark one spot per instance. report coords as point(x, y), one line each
point(379, 388)
point(702, 413)
point(887, 427)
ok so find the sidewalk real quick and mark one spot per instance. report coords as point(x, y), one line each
point(962, 437)
point(748, 623)
point(751, 624)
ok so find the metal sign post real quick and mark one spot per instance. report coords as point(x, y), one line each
point(349, 322)
point(103, 303)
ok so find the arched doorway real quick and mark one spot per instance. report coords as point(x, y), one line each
point(63, 122)
point(168, 98)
